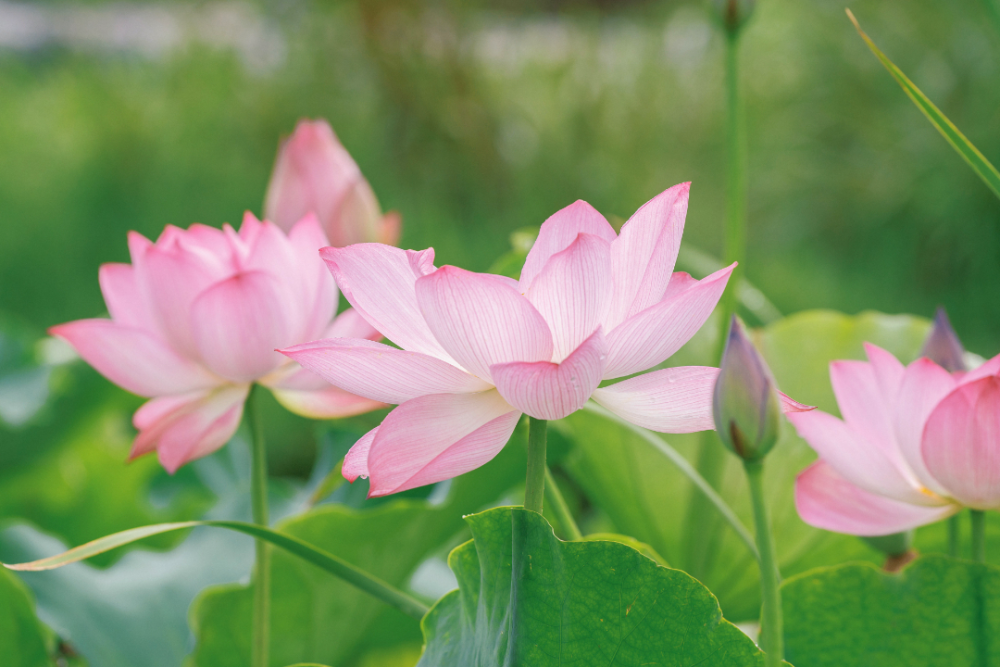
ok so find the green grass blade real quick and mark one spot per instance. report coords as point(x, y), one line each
point(958, 141)
point(321, 559)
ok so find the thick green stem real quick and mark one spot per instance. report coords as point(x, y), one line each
point(559, 507)
point(534, 487)
point(772, 631)
point(954, 535)
point(260, 648)
point(978, 535)
point(711, 461)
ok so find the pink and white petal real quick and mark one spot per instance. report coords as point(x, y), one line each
point(356, 461)
point(986, 369)
point(137, 246)
point(436, 437)
point(961, 443)
point(545, 390)
point(134, 359)
point(888, 372)
point(573, 292)
point(184, 430)
point(199, 237)
point(789, 404)
point(319, 288)
point(237, 324)
point(862, 405)
point(379, 281)
point(679, 282)
point(558, 232)
point(826, 500)
point(644, 254)
point(381, 372)
point(350, 324)
point(923, 386)
point(123, 297)
point(647, 339)
point(857, 459)
point(672, 400)
point(327, 403)
point(480, 321)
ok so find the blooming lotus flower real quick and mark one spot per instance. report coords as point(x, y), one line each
point(195, 319)
point(314, 173)
point(478, 350)
point(915, 445)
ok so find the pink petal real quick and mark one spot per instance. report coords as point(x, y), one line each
point(923, 386)
point(545, 390)
point(318, 292)
point(238, 323)
point(558, 232)
point(326, 403)
point(381, 372)
point(826, 500)
point(789, 404)
point(679, 282)
point(573, 292)
point(672, 400)
point(356, 461)
point(123, 297)
point(481, 321)
point(643, 255)
point(185, 428)
point(379, 280)
point(888, 372)
point(961, 443)
point(864, 407)
point(134, 359)
point(436, 437)
point(986, 369)
point(350, 324)
point(857, 458)
point(649, 338)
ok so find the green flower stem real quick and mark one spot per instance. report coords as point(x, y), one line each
point(978, 535)
point(534, 487)
point(714, 499)
point(711, 461)
point(772, 631)
point(558, 506)
point(954, 534)
point(260, 648)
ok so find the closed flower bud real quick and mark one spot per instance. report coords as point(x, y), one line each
point(942, 345)
point(733, 13)
point(745, 403)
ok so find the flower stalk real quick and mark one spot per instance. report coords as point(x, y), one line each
point(559, 507)
point(534, 487)
point(772, 630)
point(978, 535)
point(262, 568)
point(954, 535)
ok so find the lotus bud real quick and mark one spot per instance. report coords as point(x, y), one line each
point(733, 13)
point(745, 404)
point(942, 345)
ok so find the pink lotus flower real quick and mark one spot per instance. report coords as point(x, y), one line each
point(916, 444)
point(314, 173)
point(195, 319)
point(478, 350)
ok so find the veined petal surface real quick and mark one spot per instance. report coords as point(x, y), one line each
point(671, 400)
point(558, 232)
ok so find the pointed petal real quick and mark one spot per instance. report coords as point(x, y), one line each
point(238, 322)
point(961, 443)
point(182, 429)
point(558, 232)
point(672, 400)
point(436, 437)
point(318, 292)
point(134, 359)
point(826, 500)
point(679, 282)
point(123, 297)
point(862, 405)
point(888, 372)
point(986, 369)
point(378, 280)
point(856, 458)
point(650, 337)
point(644, 254)
point(573, 292)
point(350, 324)
point(326, 403)
point(545, 390)
point(481, 321)
point(923, 386)
point(380, 372)
point(356, 461)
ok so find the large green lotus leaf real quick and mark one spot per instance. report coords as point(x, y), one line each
point(318, 618)
point(526, 598)
point(647, 497)
point(937, 612)
point(22, 638)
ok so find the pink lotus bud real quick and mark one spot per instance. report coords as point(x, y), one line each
point(315, 174)
point(943, 346)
